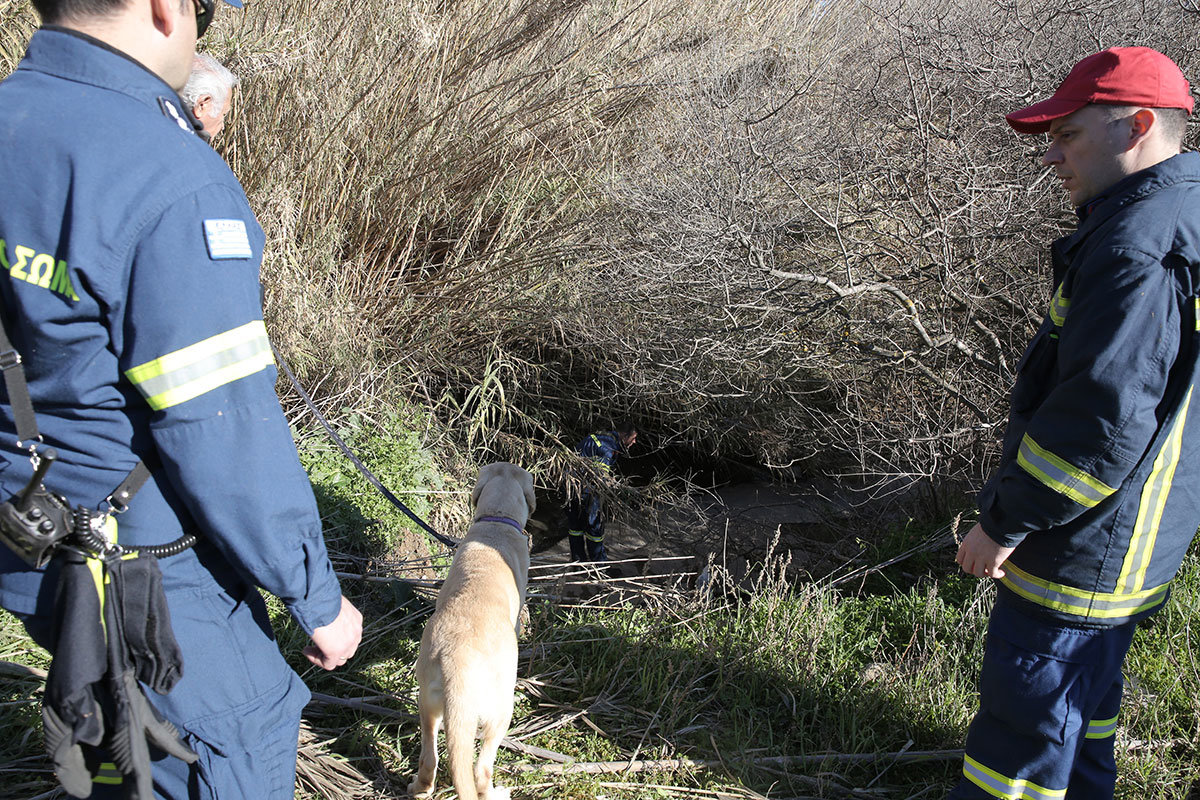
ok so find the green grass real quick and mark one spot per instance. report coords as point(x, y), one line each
point(725, 678)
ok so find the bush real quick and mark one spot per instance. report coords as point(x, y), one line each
point(357, 518)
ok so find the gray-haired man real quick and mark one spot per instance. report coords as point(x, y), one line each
point(208, 93)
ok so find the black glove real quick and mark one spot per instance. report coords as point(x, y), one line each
point(93, 701)
point(135, 726)
point(145, 622)
point(140, 645)
point(71, 713)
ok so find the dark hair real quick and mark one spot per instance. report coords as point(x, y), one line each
point(1172, 121)
point(625, 427)
point(55, 11)
point(1174, 124)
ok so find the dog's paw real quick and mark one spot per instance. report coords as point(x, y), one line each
point(499, 793)
point(417, 789)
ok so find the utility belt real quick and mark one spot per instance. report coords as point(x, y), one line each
point(36, 522)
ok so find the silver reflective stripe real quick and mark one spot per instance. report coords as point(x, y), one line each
point(108, 774)
point(1089, 605)
point(199, 369)
point(1058, 474)
point(1151, 505)
point(998, 785)
point(178, 376)
point(1101, 728)
point(1058, 307)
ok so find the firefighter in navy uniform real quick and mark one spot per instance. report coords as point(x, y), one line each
point(1097, 496)
point(131, 291)
point(585, 514)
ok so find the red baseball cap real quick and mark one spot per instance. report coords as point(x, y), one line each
point(1119, 76)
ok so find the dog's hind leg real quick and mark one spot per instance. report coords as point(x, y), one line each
point(491, 733)
point(431, 723)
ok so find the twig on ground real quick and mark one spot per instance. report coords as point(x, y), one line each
point(667, 764)
point(359, 705)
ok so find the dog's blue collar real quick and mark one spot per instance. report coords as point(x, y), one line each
point(505, 520)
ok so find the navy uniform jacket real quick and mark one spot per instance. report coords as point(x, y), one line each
point(603, 448)
point(131, 289)
point(1099, 483)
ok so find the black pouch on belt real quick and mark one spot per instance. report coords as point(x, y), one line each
point(146, 622)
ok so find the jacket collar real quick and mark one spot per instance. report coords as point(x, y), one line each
point(1177, 169)
point(76, 56)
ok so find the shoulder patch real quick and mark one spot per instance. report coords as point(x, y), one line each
point(227, 238)
point(170, 110)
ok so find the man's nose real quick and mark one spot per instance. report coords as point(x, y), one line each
point(1052, 156)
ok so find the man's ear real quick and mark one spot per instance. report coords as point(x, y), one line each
point(1141, 124)
point(165, 15)
point(203, 106)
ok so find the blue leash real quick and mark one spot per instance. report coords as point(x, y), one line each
point(370, 476)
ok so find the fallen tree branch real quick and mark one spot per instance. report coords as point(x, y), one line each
point(670, 764)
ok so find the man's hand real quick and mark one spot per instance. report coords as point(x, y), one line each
point(333, 644)
point(981, 556)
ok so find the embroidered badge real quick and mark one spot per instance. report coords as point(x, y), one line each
point(227, 238)
point(169, 109)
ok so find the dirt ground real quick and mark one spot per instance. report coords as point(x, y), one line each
point(736, 525)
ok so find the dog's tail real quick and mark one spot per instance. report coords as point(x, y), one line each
point(461, 723)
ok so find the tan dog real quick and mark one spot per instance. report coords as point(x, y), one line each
point(467, 669)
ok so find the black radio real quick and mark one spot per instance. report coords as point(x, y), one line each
point(36, 520)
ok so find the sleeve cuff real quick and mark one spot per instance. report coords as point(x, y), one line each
point(323, 602)
point(991, 520)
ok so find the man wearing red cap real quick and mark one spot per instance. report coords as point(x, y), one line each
point(1097, 496)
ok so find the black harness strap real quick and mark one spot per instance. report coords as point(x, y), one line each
point(18, 391)
point(119, 499)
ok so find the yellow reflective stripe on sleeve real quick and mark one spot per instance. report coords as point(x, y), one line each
point(206, 365)
point(1101, 728)
point(1060, 475)
point(998, 785)
point(1151, 505)
point(108, 774)
point(1080, 603)
point(1059, 306)
point(1197, 314)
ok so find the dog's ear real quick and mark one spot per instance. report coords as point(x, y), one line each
point(479, 482)
point(527, 488)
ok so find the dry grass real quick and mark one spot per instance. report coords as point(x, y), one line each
point(789, 233)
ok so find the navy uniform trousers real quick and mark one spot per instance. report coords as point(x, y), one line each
point(1049, 698)
point(585, 523)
